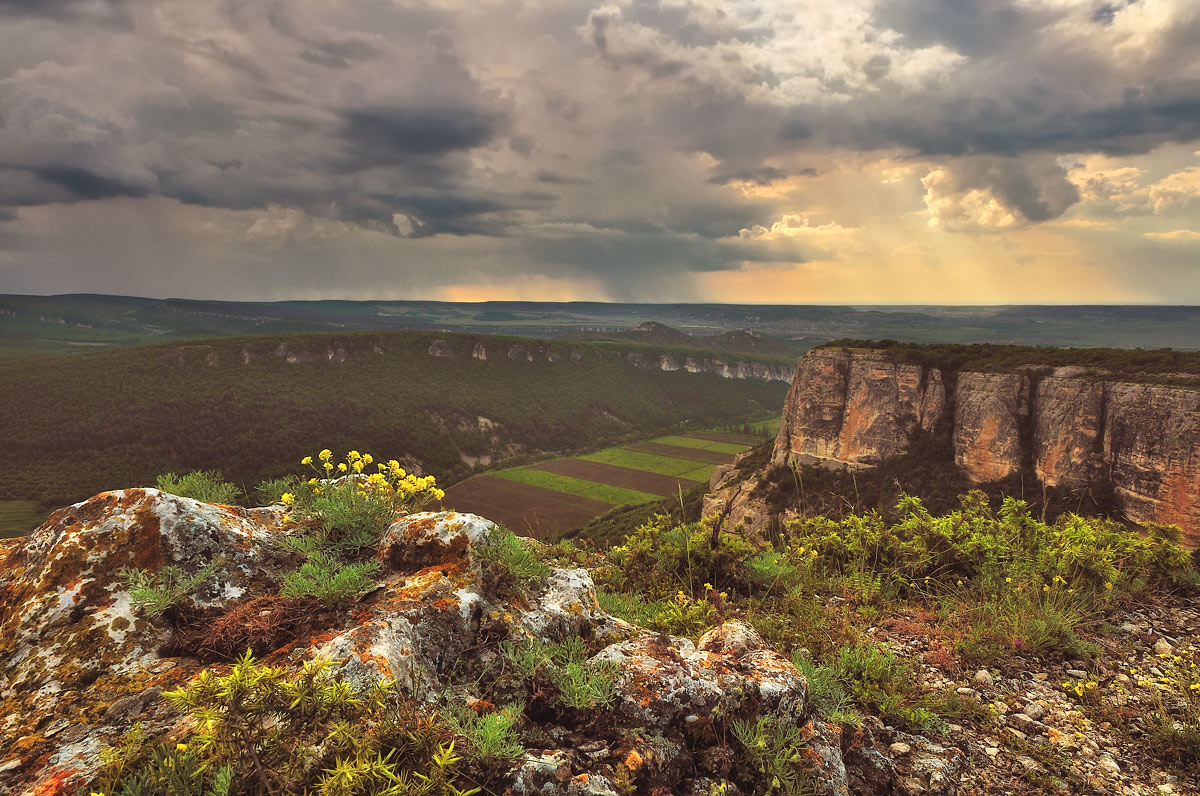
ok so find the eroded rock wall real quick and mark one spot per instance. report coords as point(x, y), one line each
point(1075, 430)
point(856, 409)
point(990, 411)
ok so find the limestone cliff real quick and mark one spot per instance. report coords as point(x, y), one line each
point(856, 409)
point(1072, 429)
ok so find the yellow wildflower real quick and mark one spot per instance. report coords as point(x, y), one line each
point(306, 460)
point(287, 499)
point(353, 456)
point(325, 455)
point(342, 467)
point(182, 747)
point(1045, 588)
point(1108, 586)
point(1008, 580)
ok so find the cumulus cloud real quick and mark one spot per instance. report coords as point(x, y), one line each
point(987, 193)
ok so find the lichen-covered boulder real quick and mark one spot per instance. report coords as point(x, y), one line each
point(71, 644)
point(663, 681)
point(431, 537)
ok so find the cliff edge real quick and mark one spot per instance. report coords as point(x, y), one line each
point(1072, 429)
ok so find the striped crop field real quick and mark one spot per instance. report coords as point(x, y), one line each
point(550, 497)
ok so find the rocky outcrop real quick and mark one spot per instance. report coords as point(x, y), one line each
point(79, 666)
point(1151, 452)
point(856, 409)
point(725, 368)
point(1073, 428)
point(1068, 421)
point(990, 411)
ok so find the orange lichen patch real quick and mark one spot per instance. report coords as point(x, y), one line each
point(634, 760)
point(580, 779)
point(57, 783)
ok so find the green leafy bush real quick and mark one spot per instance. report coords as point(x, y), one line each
point(272, 490)
point(155, 593)
point(491, 736)
point(579, 683)
point(328, 580)
point(509, 561)
point(204, 485)
point(351, 507)
point(989, 550)
point(658, 560)
point(771, 751)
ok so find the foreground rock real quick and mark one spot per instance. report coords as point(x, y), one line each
point(78, 666)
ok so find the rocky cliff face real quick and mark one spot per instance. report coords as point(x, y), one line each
point(855, 408)
point(79, 666)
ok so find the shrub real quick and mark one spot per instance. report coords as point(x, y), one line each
point(659, 560)
point(922, 554)
point(490, 736)
point(352, 508)
point(204, 485)
point(156, 593)
point(579, 683)
point(771, 751)
point(510, 562)
point(324, 578)
point(272, 490)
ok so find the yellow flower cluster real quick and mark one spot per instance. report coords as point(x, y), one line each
point(391, 483)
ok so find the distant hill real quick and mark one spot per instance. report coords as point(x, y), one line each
point(56, 325)
point(742, 341)
point(253, 406)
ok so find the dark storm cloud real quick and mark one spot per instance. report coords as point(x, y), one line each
point(971, 27)
point(763, 175)
point(84, 184)
point(1035, 118)
point(380, 136)
point(109, 13)
point(26, 186)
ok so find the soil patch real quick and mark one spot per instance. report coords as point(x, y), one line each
point(612, 475)
point(677, 452)
point(523, 508)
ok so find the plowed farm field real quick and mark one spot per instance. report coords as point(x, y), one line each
point(544, 499)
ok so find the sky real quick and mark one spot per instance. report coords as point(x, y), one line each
point(775, 151)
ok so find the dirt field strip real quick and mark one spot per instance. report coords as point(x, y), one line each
point(677, 452)
point(688, 469)
point(716, 436)
point(663, 485)
point(688, 441)
point(592, 490)
point(523, 508)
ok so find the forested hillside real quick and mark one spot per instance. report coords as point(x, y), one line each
point(252, 407)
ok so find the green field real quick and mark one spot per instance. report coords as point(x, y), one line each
point(611, 477)
point(700, 444)
point(650, 463)
point(19, 517)
point(576, 486)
